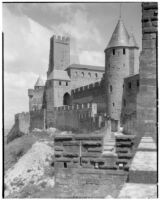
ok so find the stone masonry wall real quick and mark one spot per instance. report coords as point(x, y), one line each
point(20, 127)
point(37, 119)
point(81, 170)
point(129, 104)
point(82, 77)
point(77, 117)
point(36, 98)
point(92, 93)
point(147, 98)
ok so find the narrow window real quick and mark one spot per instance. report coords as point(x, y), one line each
point(89, 74)
point(123, 85)
point(137, 83)
point(76, 74)
point(124, 51)
point(110, 88)
point(124, 102)
point(82, 74)
point(65, 165)
point(113, 51)
point(60, 83)
point(113, 104)
point(96, 75)
point(129, 85)
point(66, 83)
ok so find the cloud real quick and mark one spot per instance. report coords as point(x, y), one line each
point(26, 44)
point(83, 33)
point(92, 58)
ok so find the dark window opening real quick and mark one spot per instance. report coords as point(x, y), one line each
point(96, 75)
point(60, 83)
point(137, 83)
point(65, 165)
point(129, 85)
point(110, 88)
point(66, 83)
point(82, 74)
point(66, 99)
point(124, 102)
point(113, 103)
point(124, 51)
point(113, 51)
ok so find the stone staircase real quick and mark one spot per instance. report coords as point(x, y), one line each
point(109, 144)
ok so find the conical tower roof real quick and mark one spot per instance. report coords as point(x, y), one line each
point(132, 41)
point(120, 36)
point(39, 82)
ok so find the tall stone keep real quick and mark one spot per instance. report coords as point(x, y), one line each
point(121, 60)
point(59, 56)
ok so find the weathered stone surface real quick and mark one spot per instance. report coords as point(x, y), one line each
point(138, 191)
point(20, 127)
point(89, 183)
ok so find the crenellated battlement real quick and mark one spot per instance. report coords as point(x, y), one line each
point(86, 87)
point(84, 106)
point(61, 39)
point(21, 115)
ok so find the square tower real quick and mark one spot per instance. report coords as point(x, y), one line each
point(59, 57)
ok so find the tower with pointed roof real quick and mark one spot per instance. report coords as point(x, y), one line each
point(36, 95)
point(121, 60)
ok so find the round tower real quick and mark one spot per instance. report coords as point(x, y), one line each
point(121, 60)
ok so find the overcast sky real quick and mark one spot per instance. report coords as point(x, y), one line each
point(28, 27)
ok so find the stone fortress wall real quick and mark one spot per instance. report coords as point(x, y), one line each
point(90, 93)
point(20, 127)
point(82, 169)
point(84, 75)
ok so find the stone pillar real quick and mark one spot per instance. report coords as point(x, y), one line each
point(147, 98)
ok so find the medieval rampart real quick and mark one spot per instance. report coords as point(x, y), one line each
point(77, 117)
point(94, 92)
point(37, 119)
point(20, 127)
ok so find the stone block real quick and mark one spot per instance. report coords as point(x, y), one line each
point(149, 30)
point(146, 177)
point(149, 44)
point(148, 6)
point(155, 23)
point(149, 36)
